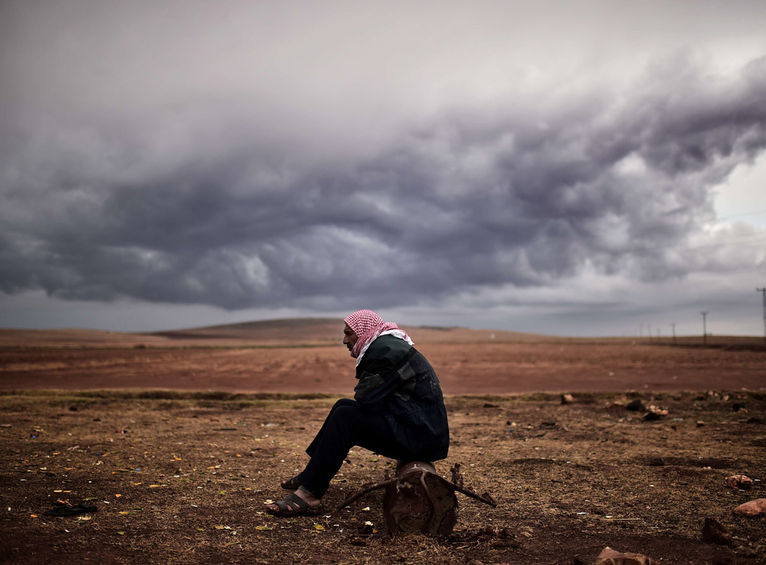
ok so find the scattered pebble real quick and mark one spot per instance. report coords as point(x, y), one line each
point(752, 508)
point(611, 557)
point(739, 481)
point(634, 405)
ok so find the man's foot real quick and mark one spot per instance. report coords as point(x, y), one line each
point(299, 503)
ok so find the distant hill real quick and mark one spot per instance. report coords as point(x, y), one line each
point(281, 331)
point(287, 331)
point(330, 330)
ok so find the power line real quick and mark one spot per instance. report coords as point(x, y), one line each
point(704, 327)
point(763, 292)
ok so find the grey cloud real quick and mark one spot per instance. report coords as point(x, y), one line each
point(473, 198)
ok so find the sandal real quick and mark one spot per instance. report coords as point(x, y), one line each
point(293, 505)
point(291, 484)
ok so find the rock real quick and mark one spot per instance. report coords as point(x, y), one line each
point(634, 405)
point(567, 399)
point(737, 406)
point(611, 557)
point(739, 481)
point(654, 413)
point(755, 507)
point(714, 532)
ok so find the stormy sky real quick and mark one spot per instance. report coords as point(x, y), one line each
point(570, 168)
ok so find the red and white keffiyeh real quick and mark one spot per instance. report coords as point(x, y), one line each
point(369, 326)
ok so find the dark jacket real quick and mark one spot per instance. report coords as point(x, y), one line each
point(397, 380)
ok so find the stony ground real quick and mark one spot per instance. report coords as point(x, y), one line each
point(183, 478)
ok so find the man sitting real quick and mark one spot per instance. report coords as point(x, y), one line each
point(397, 411)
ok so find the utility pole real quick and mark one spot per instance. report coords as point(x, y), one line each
point(704, 328)
point(763, 292)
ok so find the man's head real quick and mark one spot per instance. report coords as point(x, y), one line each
point(363, 321)
point(358, 324)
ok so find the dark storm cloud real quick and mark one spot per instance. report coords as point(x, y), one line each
point(474, 198)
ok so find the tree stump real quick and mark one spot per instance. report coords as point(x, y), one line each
point(419, 500)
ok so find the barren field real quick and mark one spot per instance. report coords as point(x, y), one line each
point(179, 445)
point(464, 367)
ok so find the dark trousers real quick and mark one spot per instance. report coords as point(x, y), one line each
point(346, 425)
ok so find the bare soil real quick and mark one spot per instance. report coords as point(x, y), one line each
point(463, 368)
point(183, 477)
point(179, 448)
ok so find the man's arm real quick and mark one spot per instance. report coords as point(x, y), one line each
point(374, 387)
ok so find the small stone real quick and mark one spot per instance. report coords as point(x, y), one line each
point(634, 405)
point(654, 413)
point(755, 507)
point(611, 557)
point(737, 406)
point(567, 399)
point(714, 532)
point(739, 481)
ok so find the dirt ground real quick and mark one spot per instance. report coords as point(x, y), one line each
point(183, 478)
point(179, 448)
point(463, 368)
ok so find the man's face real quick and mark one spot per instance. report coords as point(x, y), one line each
point(349, 337)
